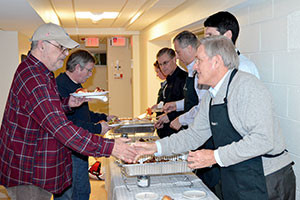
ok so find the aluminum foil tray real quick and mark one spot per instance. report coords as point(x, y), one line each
point(135, 128)
point(177, 164)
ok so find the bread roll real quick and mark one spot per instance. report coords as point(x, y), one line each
point(166, 197)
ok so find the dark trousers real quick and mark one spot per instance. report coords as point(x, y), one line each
point(281, 185)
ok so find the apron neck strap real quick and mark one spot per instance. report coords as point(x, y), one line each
point(230, 79)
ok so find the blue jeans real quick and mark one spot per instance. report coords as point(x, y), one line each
point(81, 188)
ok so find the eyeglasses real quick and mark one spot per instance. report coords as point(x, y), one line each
point(164, 63)
point(89, 70)
point(60, 47)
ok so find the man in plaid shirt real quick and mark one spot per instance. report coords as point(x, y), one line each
point(36, 138)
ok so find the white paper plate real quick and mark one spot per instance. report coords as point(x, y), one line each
point(146, 196)
point(194, 194)
point(102, 98)
point(86, 94)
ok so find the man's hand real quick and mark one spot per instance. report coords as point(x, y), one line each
point(169, 107)
point(161, 121)
point(154, 107)
point(175, 124)
point(201, 159)
point(143, 148)
point(112, 117)
point(124, 151)
point(104, 127)
point(76, 101)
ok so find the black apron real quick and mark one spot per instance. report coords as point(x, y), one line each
point(190, 94)
point(242, 181)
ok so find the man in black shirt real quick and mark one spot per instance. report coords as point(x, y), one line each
point(79, 68)
point(173, 91)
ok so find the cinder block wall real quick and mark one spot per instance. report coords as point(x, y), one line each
point(270, 36)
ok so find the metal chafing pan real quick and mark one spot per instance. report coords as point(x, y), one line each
point(174, 164)
point(135, 126)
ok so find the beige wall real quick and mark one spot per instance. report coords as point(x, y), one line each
point(98, 79)
point(24, 45)
point(9, 61)
point(136, 75)
point(120, 90)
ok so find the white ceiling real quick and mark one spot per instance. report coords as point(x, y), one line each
point(26, 15)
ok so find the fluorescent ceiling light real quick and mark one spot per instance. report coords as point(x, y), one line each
point(109, 15)
point(96, 17)
point(135, 17)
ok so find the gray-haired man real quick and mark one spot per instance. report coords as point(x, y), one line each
point(249, 146)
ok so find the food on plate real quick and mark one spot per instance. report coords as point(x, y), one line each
point(149, 111)
point(126, 118)
point(81, 90)
point(84, 90)
point(166, 197)
point(145, 140)
point(99, 90)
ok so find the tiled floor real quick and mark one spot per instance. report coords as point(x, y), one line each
point(98, 190)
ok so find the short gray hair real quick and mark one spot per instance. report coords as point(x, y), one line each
point(81, 57)
point(33, 45)
point(186, 38)
point(221, 45)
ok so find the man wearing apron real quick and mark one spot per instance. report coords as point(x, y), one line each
point(185, 44)
point(248, 174)
point(238, 114)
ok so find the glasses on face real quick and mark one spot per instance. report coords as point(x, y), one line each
point(165, 62)
point(89, 70)
point(60, 47)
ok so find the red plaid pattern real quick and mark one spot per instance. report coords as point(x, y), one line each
point(35, 135)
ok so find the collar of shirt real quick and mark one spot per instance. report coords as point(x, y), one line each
point(190, 68)
point(213, 91)
point(174, 75)
point(40, 66)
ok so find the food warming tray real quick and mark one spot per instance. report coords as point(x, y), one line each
point(163, 165)
point(135, 128)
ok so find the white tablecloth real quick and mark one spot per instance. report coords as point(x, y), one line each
point(120, 187)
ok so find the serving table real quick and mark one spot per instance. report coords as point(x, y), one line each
point(122, 187)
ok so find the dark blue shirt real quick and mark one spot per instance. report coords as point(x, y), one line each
point(81, 116)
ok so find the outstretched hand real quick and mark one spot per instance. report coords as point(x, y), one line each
point(161, 121)
point(124, 151)
point(144, 148)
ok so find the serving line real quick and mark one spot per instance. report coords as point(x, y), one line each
point(119, 187)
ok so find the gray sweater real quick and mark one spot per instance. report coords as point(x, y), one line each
point(251, 114)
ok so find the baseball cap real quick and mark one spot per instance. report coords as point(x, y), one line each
point(54, 32)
